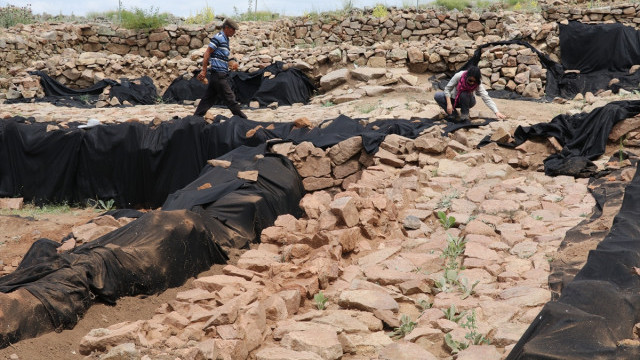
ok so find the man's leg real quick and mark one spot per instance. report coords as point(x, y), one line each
point(229, 96)
point(207, 100)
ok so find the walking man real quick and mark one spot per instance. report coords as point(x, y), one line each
point(217, 56)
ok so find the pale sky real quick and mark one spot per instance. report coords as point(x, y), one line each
point(186, 8)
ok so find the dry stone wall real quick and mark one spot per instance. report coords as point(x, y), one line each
point(79, 55)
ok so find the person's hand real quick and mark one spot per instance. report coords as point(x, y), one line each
point(233, 65)
point(500, 115)
point(202, 76)
point(449, 109)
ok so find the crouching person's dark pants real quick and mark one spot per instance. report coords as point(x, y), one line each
point(466, 101)
point(219, 85)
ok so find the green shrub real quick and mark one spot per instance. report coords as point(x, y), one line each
point(454, 4)
point(204, 16)
point(13, 15)
point(144, 19)
point(380, 11)
point(264, 15)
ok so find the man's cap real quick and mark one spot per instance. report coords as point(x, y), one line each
point(230, 23)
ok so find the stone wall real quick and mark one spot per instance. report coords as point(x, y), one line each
point(80, 54)
point(625, 13)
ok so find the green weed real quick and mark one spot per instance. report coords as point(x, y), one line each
point(473, 336)
point(445, 201)
point(366, 108)
point(406, 327)
point(320, 300)
point(31, 210)
point(380, 11)
point(455, 248)
point(452, 314)
point(454, 4)
point(454, 345)
point(203, 16)
point(142, 19)
point(11, 15)
point(446, 221)
point(467, 290)
point(106, 206)
point(424, 305)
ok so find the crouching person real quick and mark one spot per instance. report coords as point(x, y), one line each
point(460, 94)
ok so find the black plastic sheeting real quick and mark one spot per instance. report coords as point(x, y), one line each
point(600, 307)
point(52, 87)
point(139, 166)
point(161, 249)
point(234, 203)
point(608, 191)
point(601, 52)
point(286, 87)
point(139, 91)
point(583, 137)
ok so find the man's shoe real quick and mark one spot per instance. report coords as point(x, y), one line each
point(464, 117)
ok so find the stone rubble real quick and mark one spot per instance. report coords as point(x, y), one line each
point(353, 247)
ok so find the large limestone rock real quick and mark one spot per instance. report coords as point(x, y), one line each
point(368, 73)
point(334, 78)
point(323, 342)
point(367, 300)
point(405, 351)
point(280, 353)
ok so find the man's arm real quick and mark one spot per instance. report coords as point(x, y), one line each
point(205, 64)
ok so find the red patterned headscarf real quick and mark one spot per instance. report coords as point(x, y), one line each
point(464, 86)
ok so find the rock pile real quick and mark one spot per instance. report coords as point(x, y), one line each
point(371, 262)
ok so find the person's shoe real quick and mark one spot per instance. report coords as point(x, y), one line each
point(453, 117)
point(464, 118)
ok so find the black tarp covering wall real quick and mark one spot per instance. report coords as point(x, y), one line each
point(137, 165)
point(286, 87)
point(132, 163)
point(159, 250)
point(52, 87)
point(583, 137)
point(139, 91)
point(601, 52)
point(600, 307)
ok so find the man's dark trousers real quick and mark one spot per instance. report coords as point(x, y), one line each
point(219, 84)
